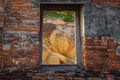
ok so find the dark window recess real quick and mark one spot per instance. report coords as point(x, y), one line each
point(60, 37)
point(1, 34)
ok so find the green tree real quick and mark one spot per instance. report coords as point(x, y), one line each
point(67, 16)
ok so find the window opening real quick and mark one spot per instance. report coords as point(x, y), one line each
point(58, 38)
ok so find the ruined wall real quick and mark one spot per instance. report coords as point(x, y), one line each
point(102, 31)
point(1, 30)
point(19, 36)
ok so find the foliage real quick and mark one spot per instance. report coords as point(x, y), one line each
point(67, 16)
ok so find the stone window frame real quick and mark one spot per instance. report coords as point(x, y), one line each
point(77, 8)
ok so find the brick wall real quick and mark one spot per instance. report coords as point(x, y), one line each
point(19, 41)
point(100, 53)
point(21, 35)
point(107, 2)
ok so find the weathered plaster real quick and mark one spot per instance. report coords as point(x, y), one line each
point(102, 20)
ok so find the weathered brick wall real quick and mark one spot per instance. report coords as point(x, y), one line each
point(102, 31)
point(101, 54)
point(21, 35)
point(19, 39)
point(107, 2)
point(1, 31)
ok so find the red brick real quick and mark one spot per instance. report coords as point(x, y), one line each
point(107, 2)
